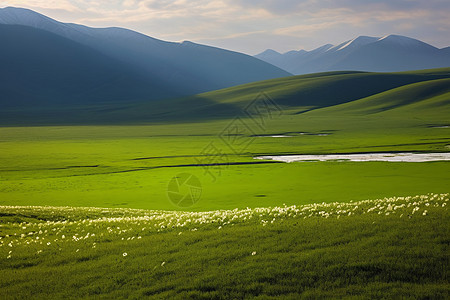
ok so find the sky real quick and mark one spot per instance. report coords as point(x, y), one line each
point(252, 26)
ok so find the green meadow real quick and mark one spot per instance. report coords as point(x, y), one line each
point(123, 156)
point(103, 172)
point(387, 248)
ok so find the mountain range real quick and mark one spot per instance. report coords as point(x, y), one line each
point(392, 53)
point(52, 62)
point(45, 62)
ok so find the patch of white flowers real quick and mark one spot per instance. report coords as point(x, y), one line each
point(76, 225)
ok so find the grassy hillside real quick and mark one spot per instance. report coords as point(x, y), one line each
point(294, 95)
point(425, 97)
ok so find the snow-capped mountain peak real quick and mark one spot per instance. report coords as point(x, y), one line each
point(365, 53)
point(403, 41)
point(358, 42)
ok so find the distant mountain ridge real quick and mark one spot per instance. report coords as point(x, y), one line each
point(392, 53)
point(41, 68)
point(167, 69)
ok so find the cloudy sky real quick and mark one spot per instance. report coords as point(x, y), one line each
point(251, 26)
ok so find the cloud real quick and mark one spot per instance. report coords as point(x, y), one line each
point(289, 7)
point(274, 6)
point(252, 26)
point(64, 5)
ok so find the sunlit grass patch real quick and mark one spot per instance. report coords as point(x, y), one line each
point(44, 226)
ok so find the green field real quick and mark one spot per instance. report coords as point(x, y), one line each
point(389, 248)
point(124, 156)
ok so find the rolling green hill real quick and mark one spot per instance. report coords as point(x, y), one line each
point(426, 96)
point(296, 94)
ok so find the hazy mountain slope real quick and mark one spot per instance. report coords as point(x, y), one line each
point(292, 60)
point(40, 68)
point(187, 67)
point(387, 54)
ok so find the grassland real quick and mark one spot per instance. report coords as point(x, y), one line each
point(122, 157)
point(386, 248)
point(131, 166)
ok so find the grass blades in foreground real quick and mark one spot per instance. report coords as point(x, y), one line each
point(387, 248)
